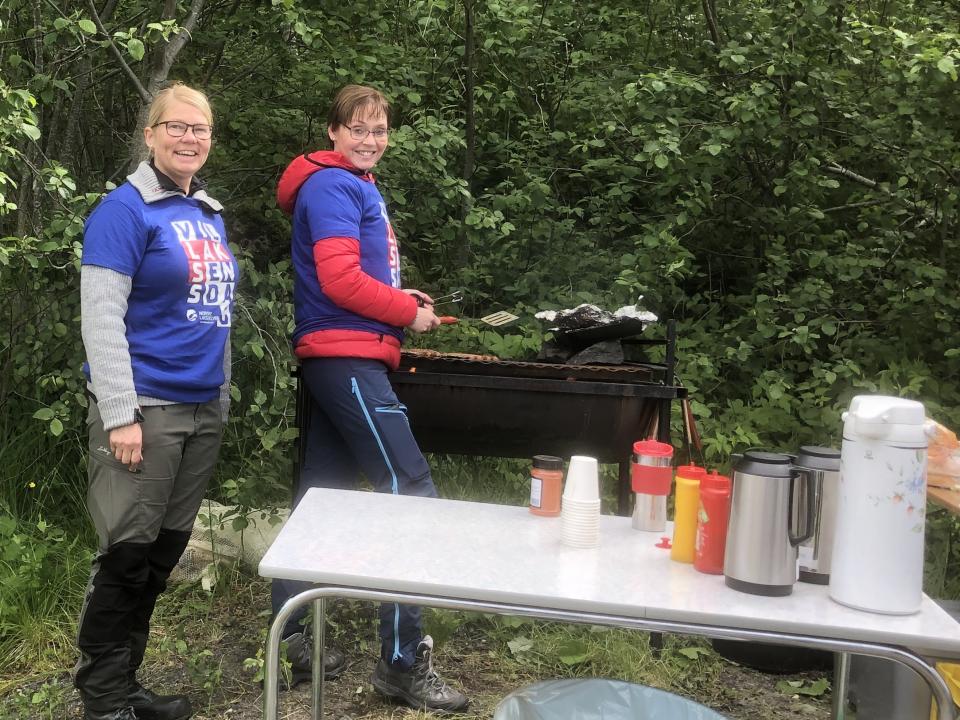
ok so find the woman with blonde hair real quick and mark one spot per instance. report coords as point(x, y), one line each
point(156, 296)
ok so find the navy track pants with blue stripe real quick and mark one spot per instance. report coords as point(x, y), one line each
point(354, 424)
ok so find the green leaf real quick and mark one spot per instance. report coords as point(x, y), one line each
point(135, 48)
point(31, 131)
point(714, 149)
point(60, 23)
point(44, 414)
point(799, 687)
point(661, 161)
point(693, 652)
point(520, 645)
point(87, 26)
point(56, 427)
point(946, 65)
point(573, 652)
point(414, 98)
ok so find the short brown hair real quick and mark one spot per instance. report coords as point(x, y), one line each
point(352, 99)
point(183, 93)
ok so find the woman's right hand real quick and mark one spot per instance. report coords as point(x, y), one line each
point(425, 320)
point(126, 444)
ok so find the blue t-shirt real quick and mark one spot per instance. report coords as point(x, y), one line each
point(179, 310)
point(336, 203)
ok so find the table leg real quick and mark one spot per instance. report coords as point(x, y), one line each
point(319, 626)
point(841, 684)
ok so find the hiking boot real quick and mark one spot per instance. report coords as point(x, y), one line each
point(124, 713)
point(149, 706)
point(300, 655)
point(419, 687)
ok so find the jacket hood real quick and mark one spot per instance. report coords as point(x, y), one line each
point(302, 167)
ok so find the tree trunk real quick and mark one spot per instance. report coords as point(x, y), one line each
point(470, 131)
point(162, 62)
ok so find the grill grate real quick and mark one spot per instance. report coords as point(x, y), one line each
point(413, 361)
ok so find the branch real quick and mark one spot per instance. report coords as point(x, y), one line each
point(159, 76)
point(835, 169)
point(710, 13)
point(131, 75)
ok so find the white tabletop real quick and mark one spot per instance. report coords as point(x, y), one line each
point(504, 554)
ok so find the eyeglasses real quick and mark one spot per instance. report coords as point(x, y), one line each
point(175, 128)
point(360, 133)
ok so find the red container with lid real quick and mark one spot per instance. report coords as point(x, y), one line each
point(712, 518)
point(651, 471)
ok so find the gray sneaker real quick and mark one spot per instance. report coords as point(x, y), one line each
point(419, 687)
point(300, 655)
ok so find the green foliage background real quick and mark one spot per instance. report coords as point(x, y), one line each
point(781, 178)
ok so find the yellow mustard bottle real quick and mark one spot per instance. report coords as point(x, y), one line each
point(686, 503)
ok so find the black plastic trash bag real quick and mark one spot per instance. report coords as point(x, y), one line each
point(598, 699)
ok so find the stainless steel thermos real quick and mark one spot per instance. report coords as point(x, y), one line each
point(761, 553)
point(822, 466)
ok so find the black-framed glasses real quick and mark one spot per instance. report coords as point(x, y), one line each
point(175, 128)
point(360, 133)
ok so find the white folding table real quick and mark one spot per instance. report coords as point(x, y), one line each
point(502, 559)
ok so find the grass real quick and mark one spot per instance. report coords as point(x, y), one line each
point(45, 549)
point(208, 642)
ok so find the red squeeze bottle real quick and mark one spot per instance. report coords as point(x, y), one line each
point(712, 517)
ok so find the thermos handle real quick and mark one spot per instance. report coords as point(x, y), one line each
point(809, 515)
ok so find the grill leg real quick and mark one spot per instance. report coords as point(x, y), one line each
point(623, 489)
point(670, 366)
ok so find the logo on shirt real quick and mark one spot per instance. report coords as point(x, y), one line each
point(393, 252)
point(211, 272)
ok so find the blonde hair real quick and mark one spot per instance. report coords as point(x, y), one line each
point(182, 93)
point(352, 99)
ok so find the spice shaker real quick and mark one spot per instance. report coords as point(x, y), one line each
point(546, 485)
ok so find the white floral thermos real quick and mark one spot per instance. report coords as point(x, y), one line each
point(878, 545)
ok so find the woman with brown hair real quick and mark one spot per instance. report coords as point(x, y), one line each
point(351, 311)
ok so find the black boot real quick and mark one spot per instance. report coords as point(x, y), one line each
point(125, 713)
point(419, 687)
point(300, 655)
point(150, 706)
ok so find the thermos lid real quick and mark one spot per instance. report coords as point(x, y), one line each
point(714, 481)
point(891, 419)
point(816, 457)
point(691, 472)
point(652, 447)
point(547, 462)
point(758, 462)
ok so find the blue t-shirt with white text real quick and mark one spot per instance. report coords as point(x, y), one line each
point(184, 276)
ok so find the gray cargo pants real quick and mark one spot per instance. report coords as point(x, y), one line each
point(143, 520)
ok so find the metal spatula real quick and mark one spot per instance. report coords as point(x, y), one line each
point(499, 318)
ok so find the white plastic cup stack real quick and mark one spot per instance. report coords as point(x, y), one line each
point(580, 510)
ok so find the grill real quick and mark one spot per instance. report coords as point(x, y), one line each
point(503, 408)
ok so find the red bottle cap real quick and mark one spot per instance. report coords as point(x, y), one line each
point(653, 448)
point(691, 472)
point(714, 481)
